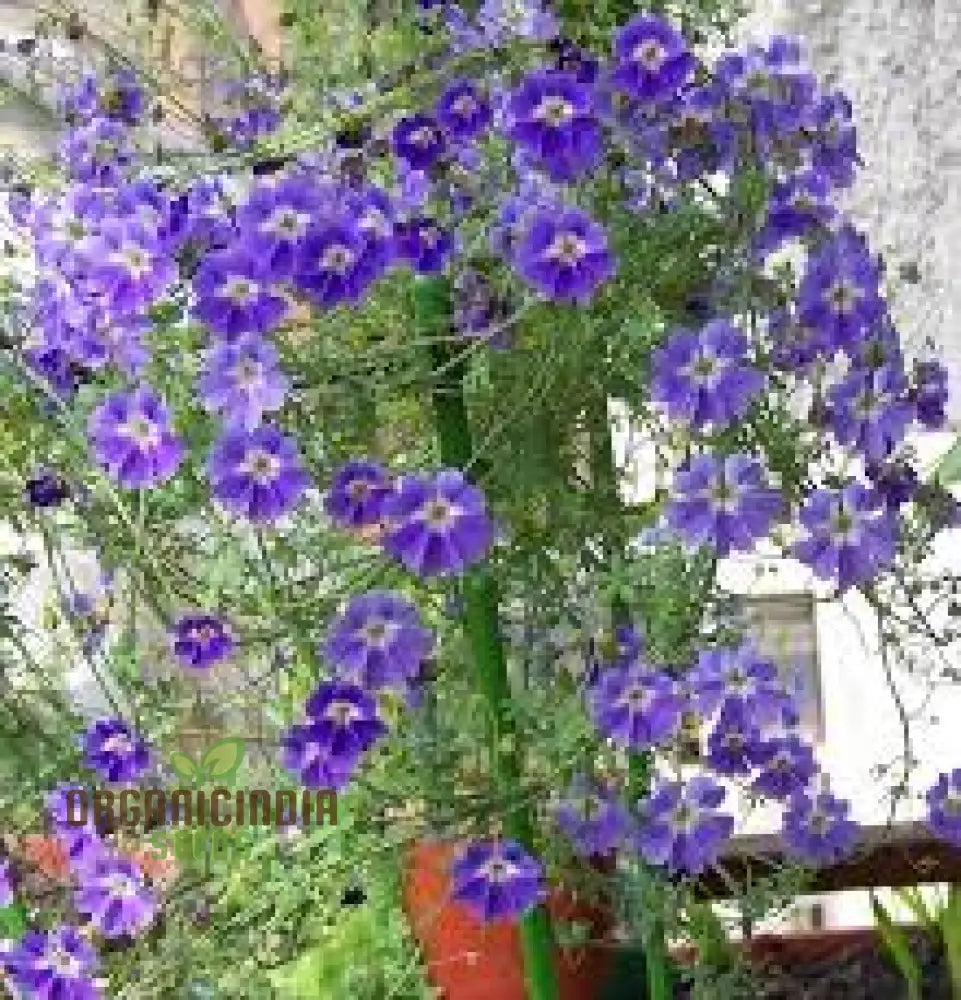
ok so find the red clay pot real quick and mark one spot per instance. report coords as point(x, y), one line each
point(469, 960)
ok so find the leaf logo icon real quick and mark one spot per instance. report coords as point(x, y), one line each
point(184, 766)
point(222, 759)
point(219, 763)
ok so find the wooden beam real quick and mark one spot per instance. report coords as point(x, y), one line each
point(902, 855)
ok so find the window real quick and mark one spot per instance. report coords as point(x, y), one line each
point(784, 628)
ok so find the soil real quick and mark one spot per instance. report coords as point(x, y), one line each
point(824, 969)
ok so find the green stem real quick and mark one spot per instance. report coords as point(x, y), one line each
point(433, 314)
point(604, 476)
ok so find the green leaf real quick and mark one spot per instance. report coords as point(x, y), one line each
point(13, 920)
point(223, 758)
point(951, 935)
point(912, 898)
point(184, 766)
point(899, 948)
point(948, 469)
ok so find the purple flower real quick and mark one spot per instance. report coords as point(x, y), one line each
point(817, 830)
point(357, 494)
point(463, 111)
point(419, 141)
point(896, 481)
point(850, 535)
point(257, 474)
point(235, 295)
point(342, 725)
point(564, 255)
point(839, 292)
point(592, 817)
point(83, 840)
point(98, 153)
point(635, 706)
point(678, 825)
point(734, 741)
point(652, 58)
point(274, 220)
point(115, 751)
point(497, 879)
point(572, 58)
point(552, 118)
point(113, 894)
point(424, 243)
point(929, 391)
point(242, 381)
point(202, 640)
point(46, 489)
point(374, 214)
point(504, 20)
point(7, 890)
point(119, 98)
point(379, 641)
point(437, 525)
point(129, 266)
point(944, 806)
point(870, 410)
point(787, 765)
point(335, 264)
point(723, 502)
point(705, 377)
point(799, 206)
point(723, 676)
point(58, 963)
point(132, 437)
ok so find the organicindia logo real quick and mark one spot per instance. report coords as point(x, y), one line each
point(194, 824)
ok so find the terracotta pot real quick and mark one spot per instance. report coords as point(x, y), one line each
point(468, 960)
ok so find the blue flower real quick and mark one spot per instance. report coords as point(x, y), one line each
point(419, 141)
point(679, 826)
point(56, 963)
point(944, 806)
point(497, 879)
point(242, 381)
point(202, 640)
point(437, 525)
point(564, 255)
point(379, 641)
point(257, 474)
point(357, 494)
point(850, 535)
point(870, 409)
point(816, 828)
point(552, 117)
point(235, 295)
point(723, 502)
point(463, 110)
point(115, 751)
point(592, 817)
point(133, 438)
point(705, 377)
point(636, 707)
point(652, 59)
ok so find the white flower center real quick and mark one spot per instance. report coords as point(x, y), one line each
point(142, 430)
point(650, 54)
point(240, 290)
point(568, 248)
point(337, 258)
point(554, 110)
point(262, 466)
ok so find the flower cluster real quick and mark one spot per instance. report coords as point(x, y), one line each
point(748, 717)
point(130, 268)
